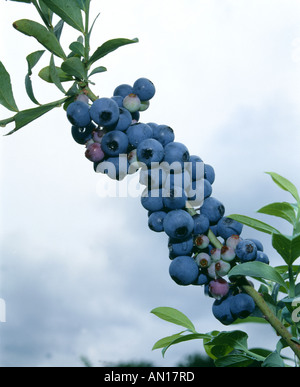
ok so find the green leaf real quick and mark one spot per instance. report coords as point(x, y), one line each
point(6, 93)
point(77, 48)
point(69, 11)
point(45, 75)
point(48, 14)
point(250, 319)
point(174, 316)
point(235, 360)
point(230, 340)
point(273, 360)
point(254, 223)
point(55, 76)
point(24, 117)
point(282, 210)
point(57, 30)
point(6, 121)
point(285, 184)
point(108, 47)
point(39, 32)
point(287, 246)
point(22, 1)
point(97, 70)
point(182, 338)
point(257, 270)
point(166, 340)
point(32, 60)
point(74, 66)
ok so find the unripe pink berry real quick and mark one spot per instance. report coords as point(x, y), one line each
point(218, 288)
point(227, 253)
point(94, 152)
point(215, 254)
point(203, 260)
point(233, 241)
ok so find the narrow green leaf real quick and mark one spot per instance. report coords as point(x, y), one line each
point(82, 4)
point(256, 320)
point(254, 223)
point(24, 117)
point(287, 246)
point(6, 121)
point(174, 316)
point(97, 70)
point(257, 270)
point(48, 14)
point(77, 48)
point(45, 75)
point(22, 1)
point(74, 66)
point(282, 210)
point(166, 340)
point(182, 338)
point(108, 47)
point(55, 76)
point(57, 30)
point(39, 32)
point(6, 93)
point(69, 11)
point(285, 184)
point(32, 60)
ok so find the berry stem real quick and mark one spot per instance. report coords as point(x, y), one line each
point(269, 315)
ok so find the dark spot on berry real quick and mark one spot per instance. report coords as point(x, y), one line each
point(181, 231)
point(147, 153)
point(105, 116)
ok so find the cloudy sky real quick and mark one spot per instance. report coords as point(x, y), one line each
point(80, 273)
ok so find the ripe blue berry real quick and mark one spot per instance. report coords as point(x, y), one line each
point(123, 90)
point(105, 112)
point(246, 250)
point(174, 198)
point(138, 132)
point(114, 167)
point(184, 270)
point(156, 221)
point(221, 310)
point(144, 89)
point(177, 248)
point(262, 257)
point(228, 227)
point(201, 224)
point(164, 134)
point(114, 143)
point(178, 224)
point(242, 305)
point(258, 243)
point(152, 200)
point(176, 154)
point(124, 121)
point(209, 173)
point(213, 209)
point(78, 114)
point(150, 151)
point(196, 167)
point(82, 135)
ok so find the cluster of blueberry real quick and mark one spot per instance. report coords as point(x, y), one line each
point(177, 195)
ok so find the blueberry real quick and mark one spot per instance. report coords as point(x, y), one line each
point(105, 112)
point(114, 167)
point(246, 250)
point(78, 114)
point(132, 103)
point(174, 198)
point(176, 154)
point(184, 270)
point(196, 168)
point(209, 173)
point(144, 89)
point(152, 200)
point(201, 224)
point(262, 257)
point(118, 99)
point(114, 143)
point(177, 248)
point(180, 179)
point(153, 177)
point(228, 227)
point(242, 305)
point(164, 134)
point(222, 311)
point(94, 152)
point(201, 280)
point(156, 221)
point(258, 243)
point(82, 135)
point(178, 224)
point(138, 132)
point(150, 151)
point(124, 121)
point(213, 209)
point(123, 90)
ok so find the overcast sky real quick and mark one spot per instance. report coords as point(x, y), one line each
point(80, 273)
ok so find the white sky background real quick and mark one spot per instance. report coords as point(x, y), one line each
point(80, 273)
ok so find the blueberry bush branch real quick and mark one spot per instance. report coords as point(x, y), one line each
point(206, 248)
